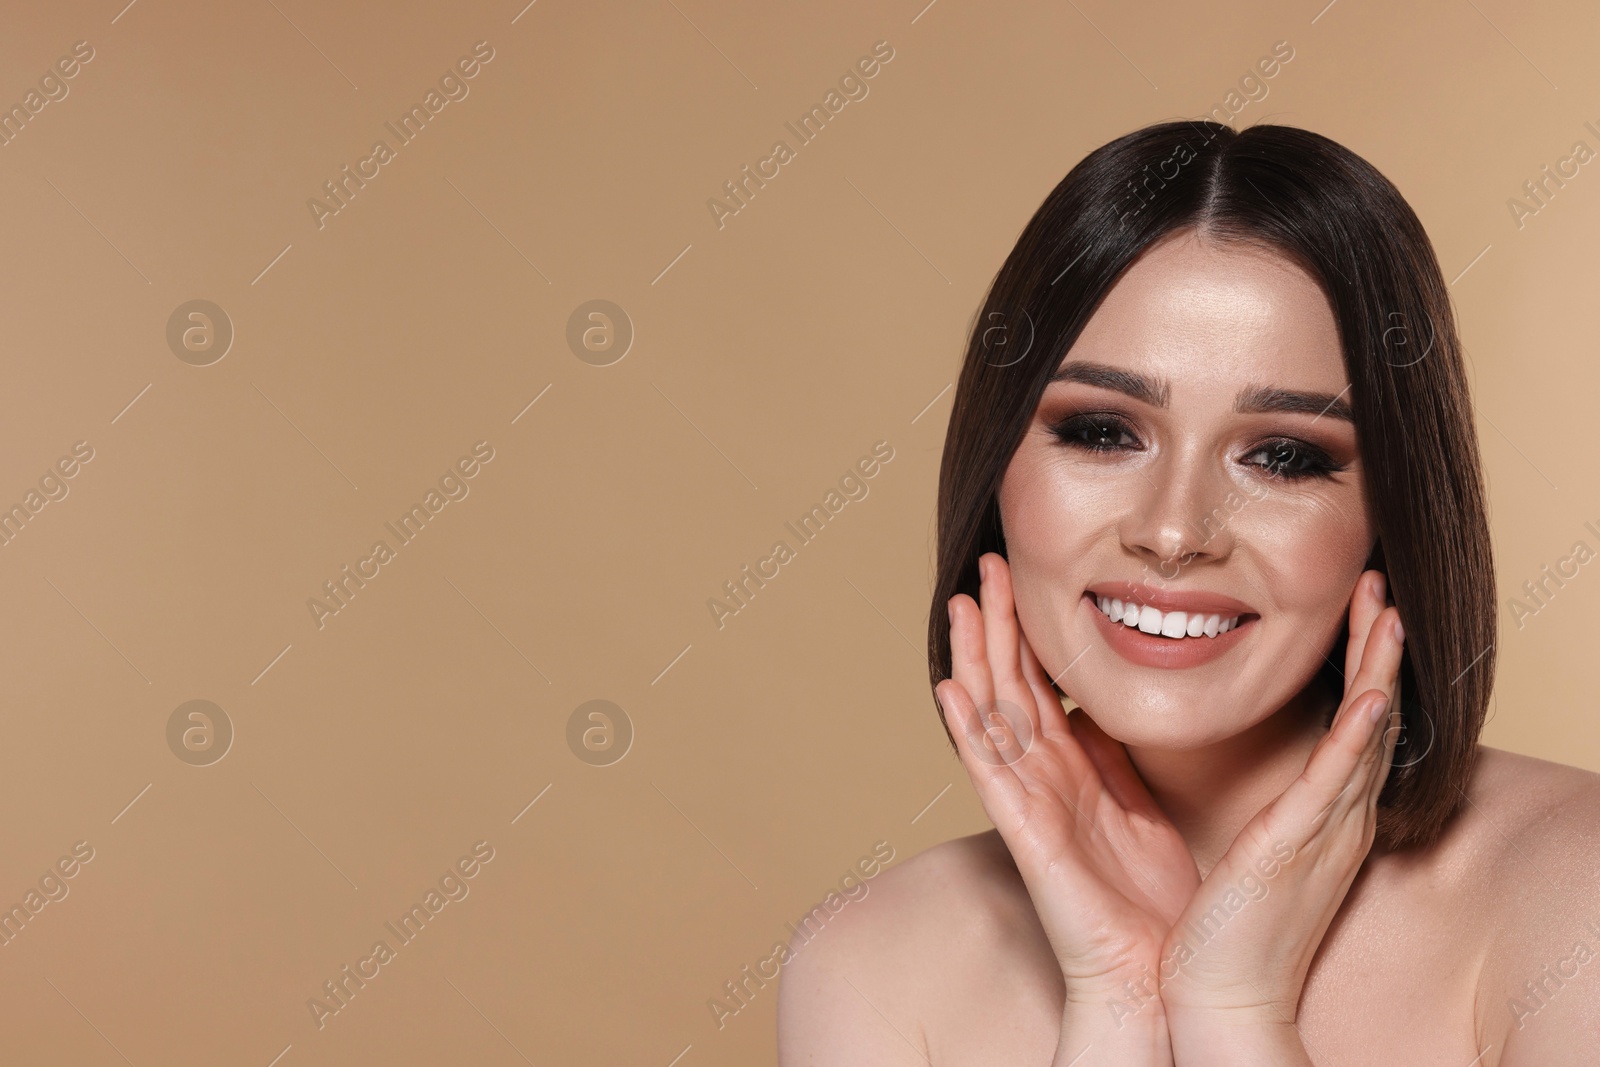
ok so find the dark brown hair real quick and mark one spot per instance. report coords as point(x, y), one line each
point(1314, 201)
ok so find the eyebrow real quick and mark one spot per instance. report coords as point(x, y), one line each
point(1252, 399)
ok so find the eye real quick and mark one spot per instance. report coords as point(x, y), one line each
point(1095, 432)
point(1294, 460)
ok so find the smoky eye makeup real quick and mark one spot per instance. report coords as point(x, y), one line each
point(1094, 431)
point(1281, 457)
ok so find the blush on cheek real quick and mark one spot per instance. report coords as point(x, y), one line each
point(1051, 524)
point(1307, 559)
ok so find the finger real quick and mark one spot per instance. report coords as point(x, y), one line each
point(1052, 716)
point(1388, 737)
point(969, 660)
point(1392, 731)
point(1333, 783)
point(1116, 770)
point(996, 782)
point(1001, 634)
point(1343, 768)
point(1380, 657)
point(1368, 599)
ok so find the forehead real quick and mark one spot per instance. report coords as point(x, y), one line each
point(1210, 316)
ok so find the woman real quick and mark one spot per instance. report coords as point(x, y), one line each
point(1235, 450)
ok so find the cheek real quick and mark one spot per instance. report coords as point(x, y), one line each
point(1309, 551)
point(1052, 524)
point(1049, 520)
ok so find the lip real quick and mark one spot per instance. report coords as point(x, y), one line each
point(1170, 653)
point(1165, 600)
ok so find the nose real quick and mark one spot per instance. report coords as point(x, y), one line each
point(1178, 512)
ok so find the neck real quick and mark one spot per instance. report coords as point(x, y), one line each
point(1212, 792)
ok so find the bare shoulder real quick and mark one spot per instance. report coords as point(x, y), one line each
point(1537, 804)
point(1539, 838)
point(887, 971)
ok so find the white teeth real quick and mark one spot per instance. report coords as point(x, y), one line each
point(1173, 624)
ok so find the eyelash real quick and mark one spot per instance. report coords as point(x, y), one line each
point(1317, 463)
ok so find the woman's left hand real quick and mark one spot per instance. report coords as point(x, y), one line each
point(1235, 962)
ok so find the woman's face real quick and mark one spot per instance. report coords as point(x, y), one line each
point(1194, 454)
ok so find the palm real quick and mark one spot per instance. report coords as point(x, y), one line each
point(1107, 878)
point(1107, 871)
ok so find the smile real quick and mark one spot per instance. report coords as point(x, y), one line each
point(1174, 624)
point(1146, 636)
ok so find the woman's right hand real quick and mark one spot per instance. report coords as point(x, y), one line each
point(1107, 871)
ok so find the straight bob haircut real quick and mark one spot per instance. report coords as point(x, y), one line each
point(1315, 202)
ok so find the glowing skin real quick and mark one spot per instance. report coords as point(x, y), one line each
point(1189, 503)
point(1434, 957)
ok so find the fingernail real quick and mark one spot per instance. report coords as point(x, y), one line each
point(1377, 710)
point(1399, 631)
point(983, 569)
point(1381, 588)
point(950, 610)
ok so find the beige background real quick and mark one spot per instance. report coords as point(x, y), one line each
point(369, 354)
